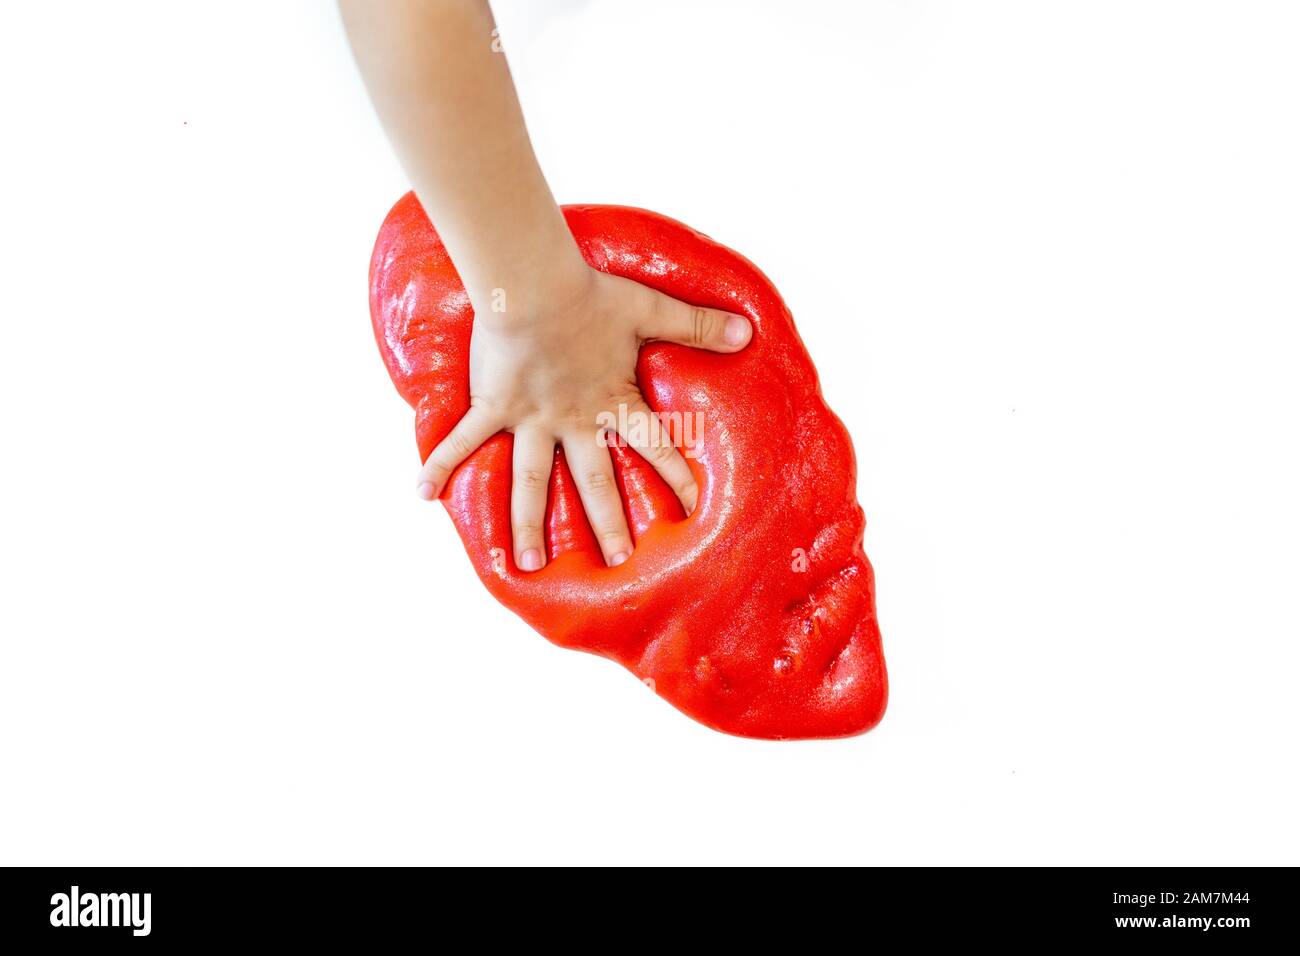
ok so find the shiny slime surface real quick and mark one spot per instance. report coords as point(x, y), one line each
point(755, 615)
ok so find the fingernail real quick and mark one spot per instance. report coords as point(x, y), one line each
point(737, 331)
point(425, 490)
point(531, 560)
point(618, 559)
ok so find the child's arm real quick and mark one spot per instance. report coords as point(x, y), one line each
point(449, 107)
point(565, 349)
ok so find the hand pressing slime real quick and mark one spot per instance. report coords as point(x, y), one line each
point(756, 614)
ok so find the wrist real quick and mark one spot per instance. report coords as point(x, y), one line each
point(533, 285)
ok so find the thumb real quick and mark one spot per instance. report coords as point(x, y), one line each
point(700, 328)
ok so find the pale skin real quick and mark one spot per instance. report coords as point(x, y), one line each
point(564, 351)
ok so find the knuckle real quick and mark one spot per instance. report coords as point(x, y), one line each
point(530, 479)
point(436, 466)
point(703, 326)
point(570, 416)
point(527, 530)
point(459, 444)
point(598, 481)
point(660, 453)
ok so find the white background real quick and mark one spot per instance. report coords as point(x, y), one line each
point(1044, 254)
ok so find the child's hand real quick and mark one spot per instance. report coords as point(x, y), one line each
point(547, 377)
point(566, 348)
